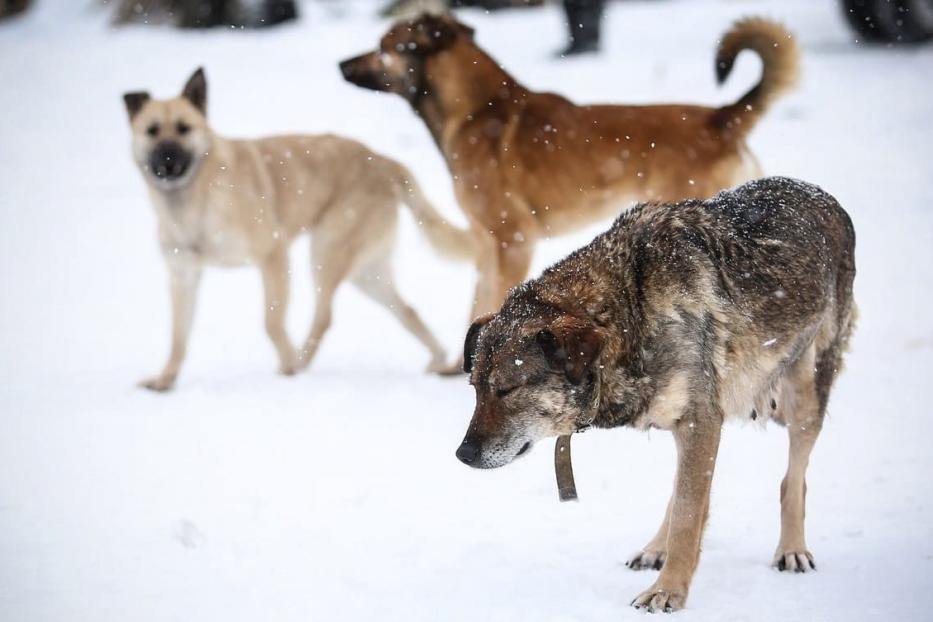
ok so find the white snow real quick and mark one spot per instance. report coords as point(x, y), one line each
point(335, 495)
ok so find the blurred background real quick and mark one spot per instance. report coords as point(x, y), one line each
point(335, 494)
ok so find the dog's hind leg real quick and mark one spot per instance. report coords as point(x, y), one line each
point(804, 417)
point(654, 553)
point(331, 264)
point(275, 281)
point(375, 280)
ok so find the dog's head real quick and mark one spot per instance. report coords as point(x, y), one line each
point(398, 66)
point(170, 136)
point(535, 375)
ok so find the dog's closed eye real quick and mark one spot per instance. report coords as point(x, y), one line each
point(504, 392)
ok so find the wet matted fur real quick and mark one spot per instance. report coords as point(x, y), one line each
point(678, 317)
point(528, 165)
point(228, 202)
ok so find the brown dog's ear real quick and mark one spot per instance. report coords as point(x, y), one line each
point(463, 29)
point(570, 345)
point(135, 102)
point(472, 337)
point(195, 90)
point(432, 33)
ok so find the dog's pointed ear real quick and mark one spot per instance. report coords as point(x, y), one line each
point(467, 31)
point(433, 33)
point(472, 337)
point(135, 102)
point(195, 90)
point(570, 345)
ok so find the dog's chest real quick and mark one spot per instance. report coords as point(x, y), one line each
point(214, 236)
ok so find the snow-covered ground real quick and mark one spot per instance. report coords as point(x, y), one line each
point(335, 495)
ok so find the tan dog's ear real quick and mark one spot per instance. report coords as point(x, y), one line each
point(195, 90)
point(135, 102)
point(571, 345)
point(472, 337)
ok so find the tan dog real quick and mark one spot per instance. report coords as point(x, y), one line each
point(231, 202)
point(528, 165)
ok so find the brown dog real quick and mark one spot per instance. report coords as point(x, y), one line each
point(678, 317)
point(226, 202)
point(528, 165)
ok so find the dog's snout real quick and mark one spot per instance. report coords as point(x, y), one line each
point(364, 71)
point(468, 451)
point(347, 66)
point(169, 160)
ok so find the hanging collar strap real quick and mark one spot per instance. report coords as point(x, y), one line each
point(563, 465)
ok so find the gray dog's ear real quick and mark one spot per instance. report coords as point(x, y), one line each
point(472, 337)
point(570, 345)
point(135, 102)
point(195, 90)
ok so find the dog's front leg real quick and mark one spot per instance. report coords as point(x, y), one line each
point(697, 438)
point(184, 277)
point(275, 281)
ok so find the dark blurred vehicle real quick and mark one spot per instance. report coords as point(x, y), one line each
point(891, 21)
point(9, 8)
point(207, 13)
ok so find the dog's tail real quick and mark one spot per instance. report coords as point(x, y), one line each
point(780, 60)
point(448, 240)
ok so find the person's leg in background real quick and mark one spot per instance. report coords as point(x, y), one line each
point(583, 22)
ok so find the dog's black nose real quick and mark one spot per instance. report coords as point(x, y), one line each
point(169, 160)
point(467, 452)
point(346, 67)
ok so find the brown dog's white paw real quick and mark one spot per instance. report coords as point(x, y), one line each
point(159, 384)
point(794, 561)
point(657, 598)
point(647, 559)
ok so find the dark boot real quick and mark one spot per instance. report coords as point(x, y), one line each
point(583, 23)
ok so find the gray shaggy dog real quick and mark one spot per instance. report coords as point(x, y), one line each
point(678, 317)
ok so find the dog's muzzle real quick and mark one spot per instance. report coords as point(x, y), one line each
point(470, 452)
point(363, 72)
point(169, 161)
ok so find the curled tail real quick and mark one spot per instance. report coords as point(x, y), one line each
point(448, 240)
point(780, 60)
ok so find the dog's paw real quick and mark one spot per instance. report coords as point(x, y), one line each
point(437, 366)
point(447, 369)
point(290, 369)
point(794, 561)
point(647, 559)
point(160, 384)
point(658, 598)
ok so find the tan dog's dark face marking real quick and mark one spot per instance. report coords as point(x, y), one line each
point(398, 65)
point(534, 379)
point(171, 136)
